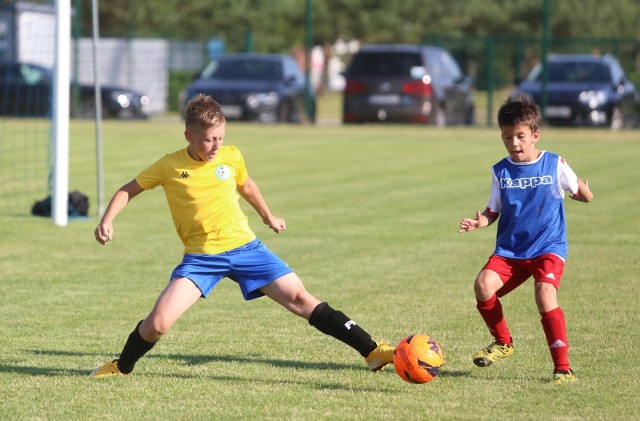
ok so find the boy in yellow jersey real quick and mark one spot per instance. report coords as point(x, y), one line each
point(202, 184)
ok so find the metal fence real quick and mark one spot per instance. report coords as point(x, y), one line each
point(495, 62)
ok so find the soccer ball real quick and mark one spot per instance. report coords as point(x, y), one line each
point(418, 358)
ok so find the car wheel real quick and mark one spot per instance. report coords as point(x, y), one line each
point(617, 119)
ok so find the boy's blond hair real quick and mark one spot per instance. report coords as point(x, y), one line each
point(203, 112)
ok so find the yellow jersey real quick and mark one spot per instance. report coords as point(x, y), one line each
point(203, 198)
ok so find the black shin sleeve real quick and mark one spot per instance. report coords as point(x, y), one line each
point(337, 324)
point(133, 350)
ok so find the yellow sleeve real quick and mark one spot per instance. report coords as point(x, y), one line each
point(153, 176)
point(241, 167)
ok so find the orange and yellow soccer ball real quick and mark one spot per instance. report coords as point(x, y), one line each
point(418, 358)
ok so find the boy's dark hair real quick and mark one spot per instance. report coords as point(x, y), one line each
point(203, 111)
point(519, 110)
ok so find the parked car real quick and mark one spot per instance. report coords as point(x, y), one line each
point(26, 90)
point(584, 90)
point(406, 84)
point(254, 86)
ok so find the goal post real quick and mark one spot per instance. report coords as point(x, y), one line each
point(61, 103)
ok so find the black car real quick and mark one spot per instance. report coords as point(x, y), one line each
point(254, 86)
point(406, 84)
point(26, 90)
point(584, 90)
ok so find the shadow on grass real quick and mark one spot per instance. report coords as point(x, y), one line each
point(41, 371)
point(194, 360)
point(454, 373)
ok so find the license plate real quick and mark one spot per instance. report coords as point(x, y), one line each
point(231, 111)
point(558, 111)
point(384, 99)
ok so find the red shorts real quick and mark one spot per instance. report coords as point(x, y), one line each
point(513, 272)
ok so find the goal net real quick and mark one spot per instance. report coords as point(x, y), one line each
point(26, 56)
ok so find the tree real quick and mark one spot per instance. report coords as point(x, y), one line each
point(279, 25)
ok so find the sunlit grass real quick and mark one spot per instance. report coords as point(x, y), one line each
point(372, 214)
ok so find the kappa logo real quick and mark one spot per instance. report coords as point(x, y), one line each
point(525, 182)
point(185, 175)
point(223, 172)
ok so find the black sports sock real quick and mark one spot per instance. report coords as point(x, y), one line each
point(337, 324)
point(133, 350)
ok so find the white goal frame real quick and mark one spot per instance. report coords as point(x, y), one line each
point(61, 92)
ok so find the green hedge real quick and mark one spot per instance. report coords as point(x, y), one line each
point(178, 81)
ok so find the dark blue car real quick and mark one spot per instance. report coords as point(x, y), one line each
point(26, 90)
point(585, 90)
point(255, 87)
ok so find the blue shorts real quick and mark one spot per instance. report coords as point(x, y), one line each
point(251, 265)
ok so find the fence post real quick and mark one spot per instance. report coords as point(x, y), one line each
point(308, 43)
point(546, 38)
point(491, 66)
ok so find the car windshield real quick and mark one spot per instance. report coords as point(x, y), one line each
point(384, 64)
point(573, 72)
point(248, 69)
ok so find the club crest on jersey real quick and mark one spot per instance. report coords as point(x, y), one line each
point(223, 172)
point(525, 182)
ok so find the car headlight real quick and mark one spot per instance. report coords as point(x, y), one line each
point(122, 98)
point(592, 98)
point(264, 98)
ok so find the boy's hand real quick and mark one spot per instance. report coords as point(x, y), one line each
point(103, 233)
point(468, 224)
point(276, 224)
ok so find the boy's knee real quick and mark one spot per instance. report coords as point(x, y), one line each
point(153, 329)
point(546, 296)
point(486, 285)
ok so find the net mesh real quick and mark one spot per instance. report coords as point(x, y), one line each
point(26, 55)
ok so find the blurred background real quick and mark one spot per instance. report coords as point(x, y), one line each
point(156, 48)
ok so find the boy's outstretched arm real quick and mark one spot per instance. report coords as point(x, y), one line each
point(251, 193)
point(483, 219)
point(104, 230)
point(584, 193)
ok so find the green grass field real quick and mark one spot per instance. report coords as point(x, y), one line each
point(372, 214)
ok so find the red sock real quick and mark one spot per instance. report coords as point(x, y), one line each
point(491, 312)
point(555, 329)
